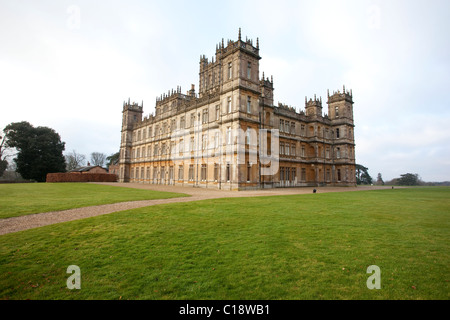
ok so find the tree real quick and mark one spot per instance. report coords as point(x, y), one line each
point(380, 181)
point(74, 160)
point(362, 175)
point(98, 159)
point(40, 150)
point(409, 179)
point(3, 161)
point(113, 159)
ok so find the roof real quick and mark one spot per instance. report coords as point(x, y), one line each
point(85, 168)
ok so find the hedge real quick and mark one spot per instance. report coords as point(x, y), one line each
point(81, 177)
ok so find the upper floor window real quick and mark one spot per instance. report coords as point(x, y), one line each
point(336, 111)
point(230, 70)
point(229, 105)
point(217, 112)
point(249, 70)
point(205, 116)
point(249, 104)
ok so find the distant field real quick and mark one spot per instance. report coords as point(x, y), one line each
point(28, 198)
point(314, 246)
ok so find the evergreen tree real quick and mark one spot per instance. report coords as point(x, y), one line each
point(40, 150)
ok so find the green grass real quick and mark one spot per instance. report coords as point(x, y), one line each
point(23, 199)
point(315, 246)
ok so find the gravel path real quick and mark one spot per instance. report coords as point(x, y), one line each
point(16, 224)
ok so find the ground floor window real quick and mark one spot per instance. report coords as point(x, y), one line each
point(191, 172)
point(216, 172)
point(180, 173)
point(203, 172)
point(303, 175)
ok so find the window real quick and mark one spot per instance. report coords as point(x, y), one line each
point(249, 105)
point(336, 110)
point(228, 172)
point(204, 141)
point(191, 144)
point(148, 172)
point(216, 140)
point(181, 146)
point(292, 127)
point(216, 172)
point(287, 149)
point(171, 173)
point(149, 151)
point(249, 70)
point(249, 170)
point(281, 125)
point(293, 151)
point(191, 172)
point(180, 173)
point(192, 119)
point(282, 148)
point(205, 116)
point(339, 174)
point(338, 153)
point(302, 131)
point(163, 174)
point(327, 153)
point(229, 135)
point(303, 151)
point(217, 112)
point(303, 174)
point(230, 70)
point(203, 172)
point(182, 123)
point(248, 137)
point(229, 105)
point(155, 173)
point(173, 125)
point(337, 133)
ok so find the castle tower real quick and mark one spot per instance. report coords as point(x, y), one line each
point(340, 112)
point(131, 114)
point(313, 108)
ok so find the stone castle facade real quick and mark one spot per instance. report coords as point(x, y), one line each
point(231, 136)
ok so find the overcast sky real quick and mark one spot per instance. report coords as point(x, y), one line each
point(69, 65)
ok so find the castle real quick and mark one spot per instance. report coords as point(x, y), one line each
point(231, 136)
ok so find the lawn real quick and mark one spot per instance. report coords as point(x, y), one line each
point(28, 198)
point(314, 246)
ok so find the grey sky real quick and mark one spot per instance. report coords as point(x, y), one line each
point(70, 65)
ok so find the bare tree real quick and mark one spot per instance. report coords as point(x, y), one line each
point(98, 159)
point(3, 162)
point(74, 160)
